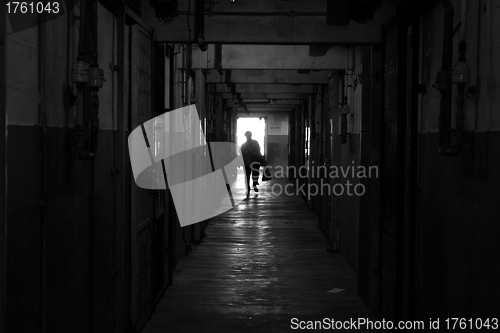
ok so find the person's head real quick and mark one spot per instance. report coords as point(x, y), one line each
point(248, 134)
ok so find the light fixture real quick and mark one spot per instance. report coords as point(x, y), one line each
point(232, 1)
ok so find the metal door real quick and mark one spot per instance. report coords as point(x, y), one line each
point(160, 216)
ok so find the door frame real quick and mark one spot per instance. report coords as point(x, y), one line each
point(3, 167)
point(140, 315)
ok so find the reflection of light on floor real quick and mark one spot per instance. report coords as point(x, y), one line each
point(250, 207)
point(238, 187)
point(256, 126)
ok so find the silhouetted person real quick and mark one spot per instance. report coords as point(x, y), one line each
point(252, 159)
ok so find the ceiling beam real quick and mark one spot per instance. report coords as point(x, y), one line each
point(281, 57)
point(269, 76)
point(286, 102)
point(266, 106)
point(257, 109)
point(267, 96)
point(267, 88)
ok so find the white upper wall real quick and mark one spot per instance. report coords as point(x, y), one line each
point(22, 72)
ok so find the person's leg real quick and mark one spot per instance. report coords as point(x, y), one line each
point(248, 172)
point(255, 175)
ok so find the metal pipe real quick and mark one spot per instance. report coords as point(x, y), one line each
point(94, 131)
point(122, 233)
point(200, 25)
point(94, 125)
point(462, 46)
point(81, 39)
point(90, 242)
point(184, 76)
point(81, 109)
point(94, 34)
point(459, 117)
point(80, 124)
point(94, 108)
point(94, 114)
point(413, 216)
point(3, 176)
point(345, 74)
point(42, 119)
point(444, 83)
point(478, 62)
point(463, 20)
point(447, 146)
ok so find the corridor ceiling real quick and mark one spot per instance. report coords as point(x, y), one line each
point(275, 21)
point(267, 55)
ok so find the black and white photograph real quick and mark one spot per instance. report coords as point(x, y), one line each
point(249, 166)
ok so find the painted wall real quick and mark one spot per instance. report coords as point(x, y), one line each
point(277, 140)
point(459, 196)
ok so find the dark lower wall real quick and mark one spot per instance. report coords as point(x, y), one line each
point(459, 229)
point(23, 278)
point(60, 241)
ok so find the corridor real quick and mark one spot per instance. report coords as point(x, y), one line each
point(260, 265)
point(122, 205)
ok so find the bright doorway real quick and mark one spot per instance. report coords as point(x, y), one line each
point(255, 125)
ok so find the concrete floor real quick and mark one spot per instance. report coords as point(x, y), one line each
point(260, 265)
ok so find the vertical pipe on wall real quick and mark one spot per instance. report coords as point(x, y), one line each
point(463, 20)
point(95, 82)
point(184, 76)
point(42, 121)
point(121, 225)
point(90, 224)
point(413, 169)
point(88, 82)
point(3, 172)
point(447, 146)
point(94, 73)
point(90, 216)
point(200, 25)
point(82, 31)
point(443, 81)
point(81, 107)
point(459, 117)
point(478, 62)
